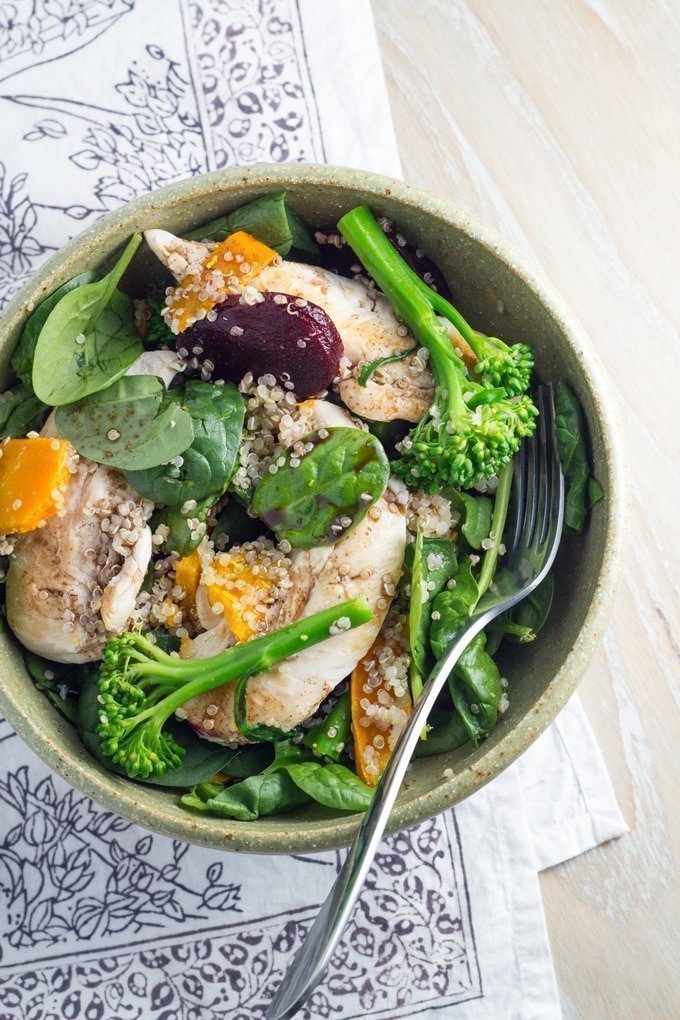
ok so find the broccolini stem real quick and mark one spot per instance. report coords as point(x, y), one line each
point(412, 300)
point(406, 292)
point(258, 655)
point(500, 513)
point(331, 736)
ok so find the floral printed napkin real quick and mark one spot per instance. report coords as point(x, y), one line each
point(101, 100)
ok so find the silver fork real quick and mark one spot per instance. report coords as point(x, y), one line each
point(531, 537)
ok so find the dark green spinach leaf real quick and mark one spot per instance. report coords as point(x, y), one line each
point(269, 793)
point(333, 785)
point(133, 424)
point(372, 366)
point(186, 530)
point(477, 515)
point(475, 686)
point(328, 493)
point(57, 680)
point(20, 411)
point(521, 624)
point(266, 218)
point(88, 339)
point(207, 464)
point(234, 525)
point(22, 359)
point(431, 563)
point(581, 489)
point(451, 609)
point(447, 731)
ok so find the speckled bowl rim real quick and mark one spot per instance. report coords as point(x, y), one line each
point(487, 764)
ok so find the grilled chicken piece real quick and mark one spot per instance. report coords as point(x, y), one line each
point(73, 583)
point(164, 364)
point(367, 561)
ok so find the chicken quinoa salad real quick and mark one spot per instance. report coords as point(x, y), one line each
point(253, 480)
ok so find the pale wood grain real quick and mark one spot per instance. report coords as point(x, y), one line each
point(556, 121)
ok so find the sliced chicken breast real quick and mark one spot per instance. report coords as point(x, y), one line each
point(73, 583)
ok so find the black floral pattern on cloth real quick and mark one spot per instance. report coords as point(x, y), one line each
point(255, 87)
point(99, 918)
point(79, 887)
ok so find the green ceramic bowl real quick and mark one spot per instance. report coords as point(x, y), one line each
point(501, 295)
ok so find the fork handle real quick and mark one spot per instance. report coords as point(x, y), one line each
point(313, 957)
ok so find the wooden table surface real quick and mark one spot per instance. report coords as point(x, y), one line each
point(556, 122)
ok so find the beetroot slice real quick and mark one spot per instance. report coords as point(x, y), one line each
point(337, 256)
point(283, 335)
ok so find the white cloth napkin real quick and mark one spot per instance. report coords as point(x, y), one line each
point(101, 100)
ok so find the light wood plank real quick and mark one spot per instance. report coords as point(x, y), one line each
point(556, 122)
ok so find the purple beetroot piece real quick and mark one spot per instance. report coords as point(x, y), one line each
point(282, 335)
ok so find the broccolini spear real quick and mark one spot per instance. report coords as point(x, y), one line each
point(472, 428)
point(141, 686)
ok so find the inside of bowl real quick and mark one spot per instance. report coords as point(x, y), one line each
point(496, 297)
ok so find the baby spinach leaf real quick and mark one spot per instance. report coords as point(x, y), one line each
point(234, 525)
point(475, 686)
point(447, 732)
point(388, 434)
point(451, 609)
point(570, 431)
point(290, 780)
point(265, 794)
point(132, 424)
point(334, 786)
point(183, 537)
point(207, 465)
point(301, 241)
point(88, 339)
point(533, 611)
point(253, 731)
point(201, 760)
point(22, 359)
point(476, 518)
point(55, 680)
point(521, 624)
point(266, 218)
point(20, 411)
point(328, 493)
point(431, 562)
point(372, 366)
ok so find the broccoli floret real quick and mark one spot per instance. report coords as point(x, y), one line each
point(471, 429)
point(141, 686)
point(501, 364)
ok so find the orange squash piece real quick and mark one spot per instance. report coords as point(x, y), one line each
point(240, 588)
point(34, 475)
point(187, 576)
point(233, 263)
point(371, 735)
